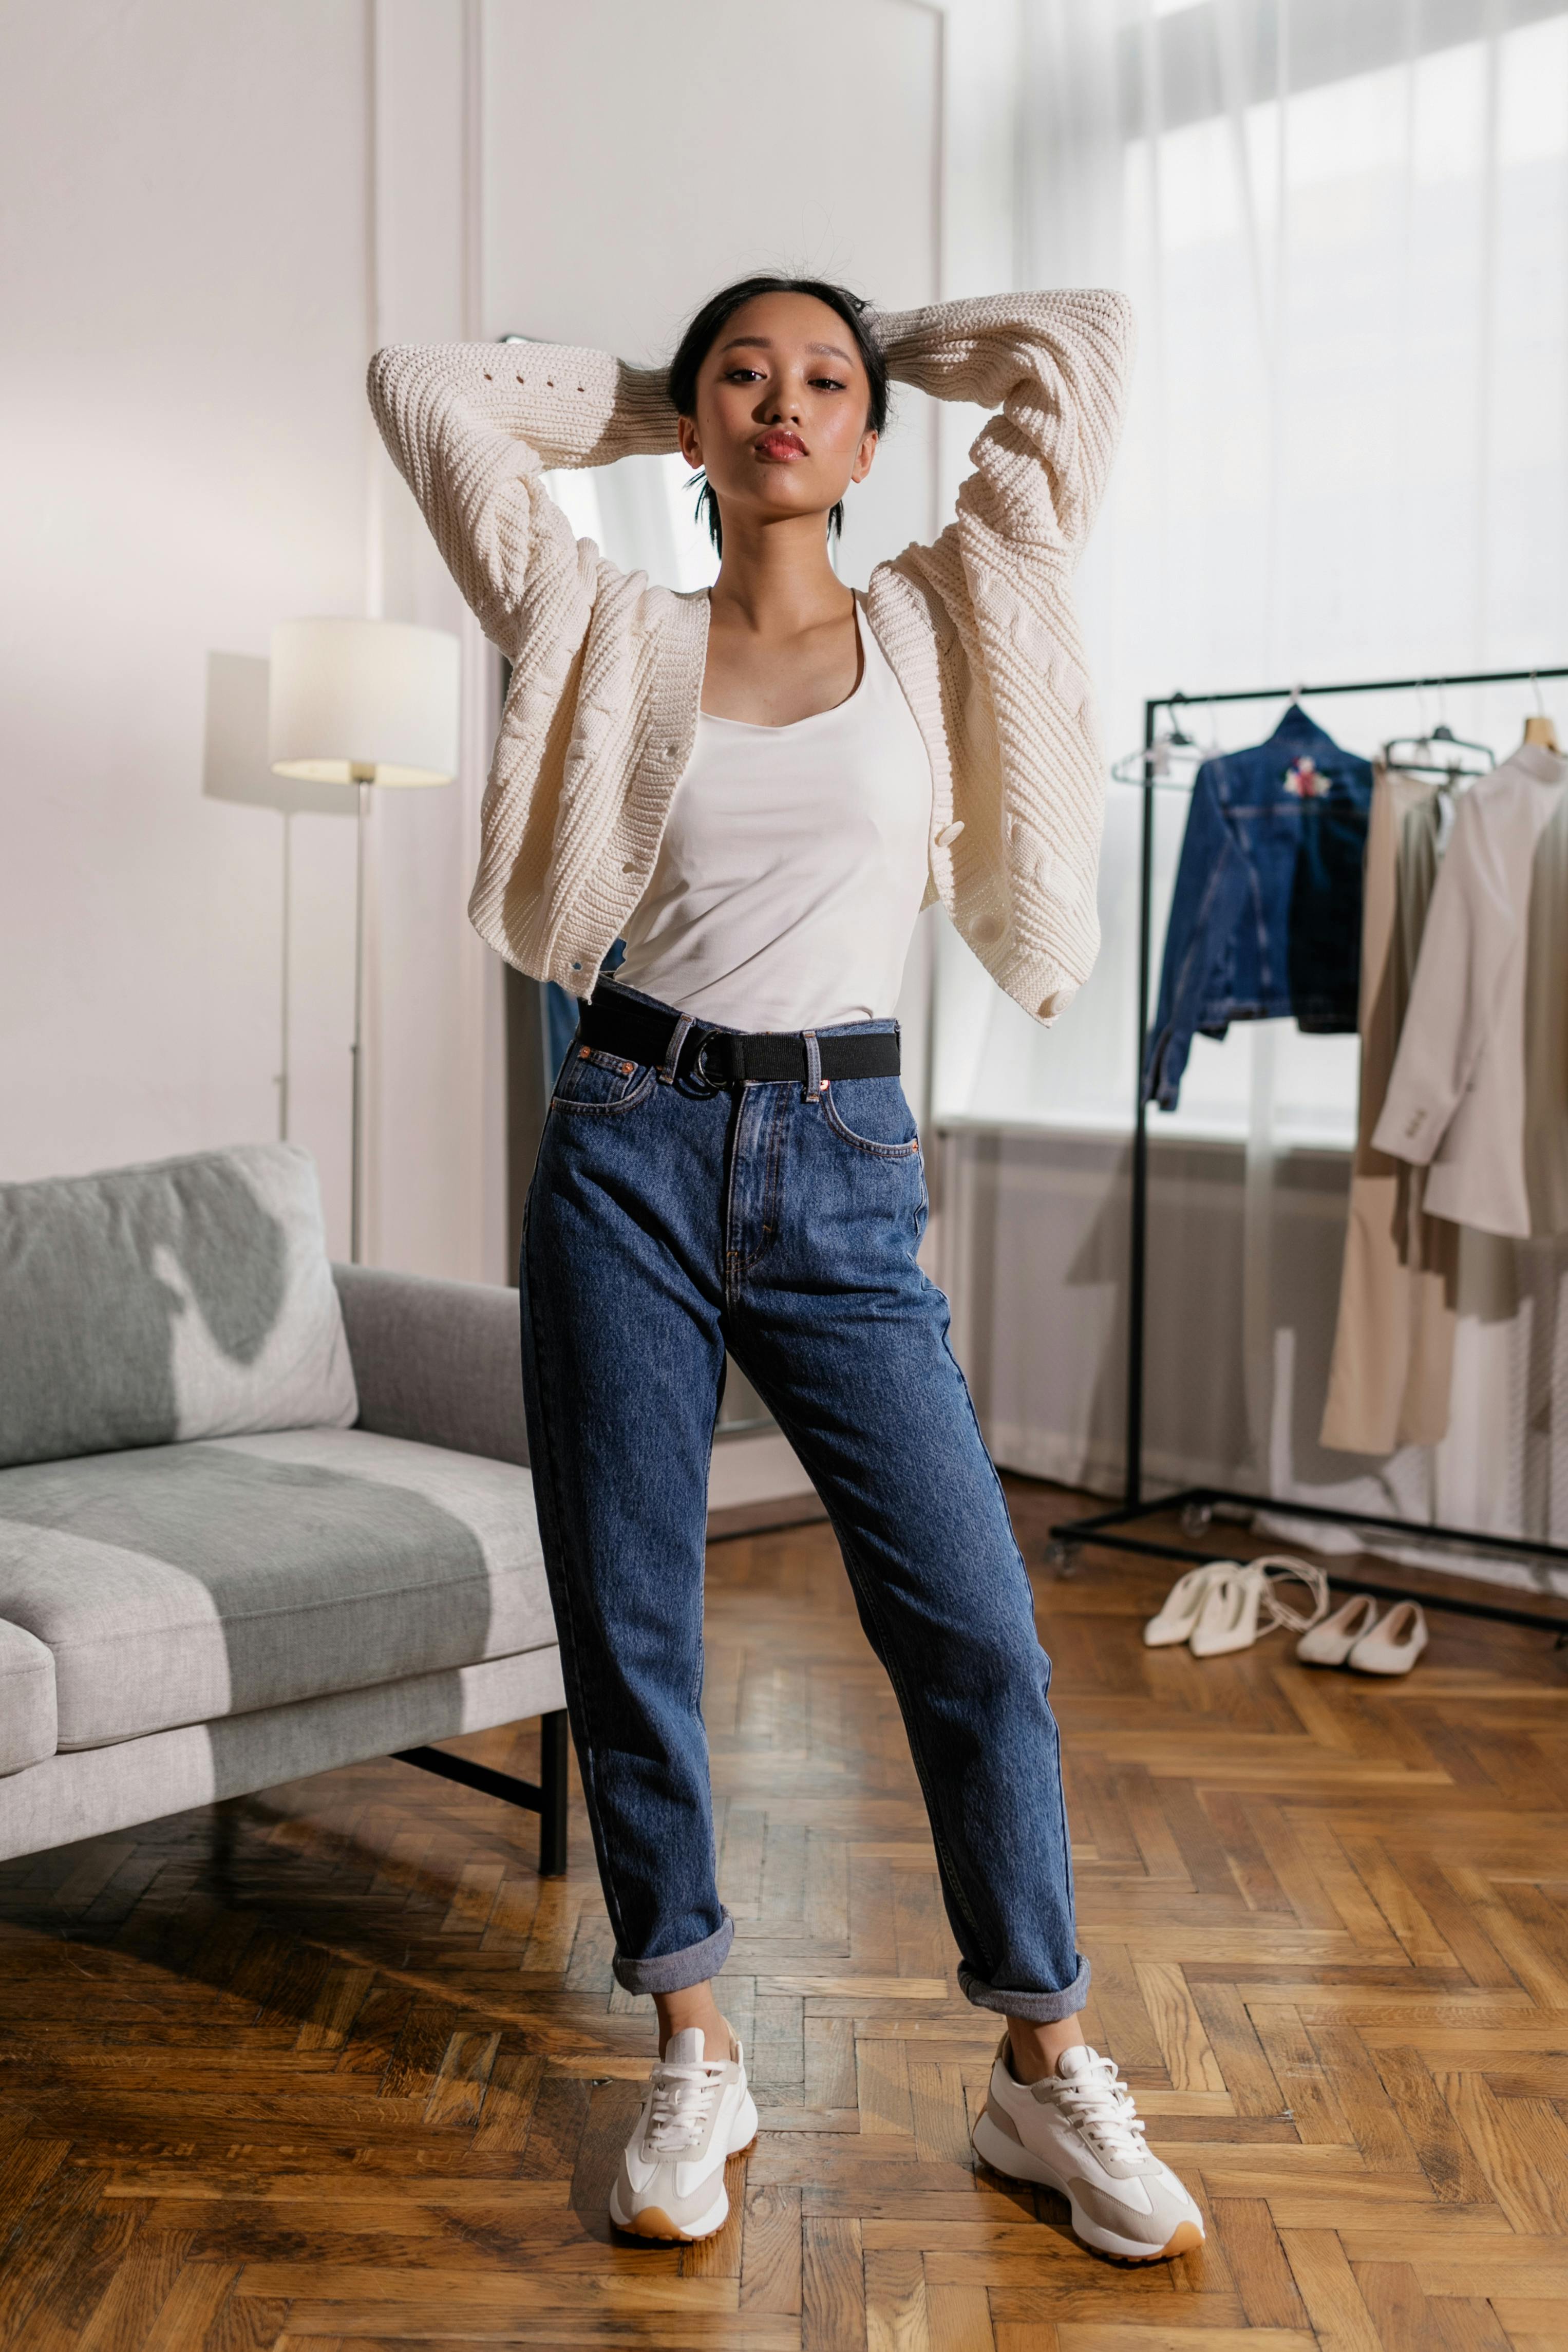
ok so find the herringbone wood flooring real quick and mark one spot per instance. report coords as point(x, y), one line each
point(329, 2070)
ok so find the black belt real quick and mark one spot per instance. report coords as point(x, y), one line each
point(615, 1024)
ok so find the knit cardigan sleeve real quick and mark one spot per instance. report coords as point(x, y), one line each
point(1056, 367)
point(472, 427)
point(1026, 781)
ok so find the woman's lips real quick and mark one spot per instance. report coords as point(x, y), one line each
point(780, 446)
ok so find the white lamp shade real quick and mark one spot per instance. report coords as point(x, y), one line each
point(363, 702)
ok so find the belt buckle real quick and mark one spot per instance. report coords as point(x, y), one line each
point(700, 1071)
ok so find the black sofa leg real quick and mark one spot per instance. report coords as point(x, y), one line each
point(548, 1798)
point(553, 1780)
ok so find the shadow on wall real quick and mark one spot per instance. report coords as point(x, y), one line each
point(234, 768)
point(233, 748)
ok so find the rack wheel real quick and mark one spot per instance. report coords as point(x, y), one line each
point(1062, 1558)
point(1196, 1516)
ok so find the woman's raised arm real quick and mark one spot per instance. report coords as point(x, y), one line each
point(1056, 366)
point(472, 427)
point(1027, 768)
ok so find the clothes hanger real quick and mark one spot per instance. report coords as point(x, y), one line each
point(1167, 760)
point(1173, 758)
point(1433, 754)
point(1538, 727)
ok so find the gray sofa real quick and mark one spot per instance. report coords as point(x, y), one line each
point(259, 1516)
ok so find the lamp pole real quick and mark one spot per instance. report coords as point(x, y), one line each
point(363, 776)
point(340, 689)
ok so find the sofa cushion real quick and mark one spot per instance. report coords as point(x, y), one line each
point(188, 1298)
point(191, 1582)
point(26, 1699)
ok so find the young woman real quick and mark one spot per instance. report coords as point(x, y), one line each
point(759, 787)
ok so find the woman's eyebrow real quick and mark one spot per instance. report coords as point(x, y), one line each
point(765, 343)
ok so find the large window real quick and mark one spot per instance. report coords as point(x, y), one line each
point(1347, 448)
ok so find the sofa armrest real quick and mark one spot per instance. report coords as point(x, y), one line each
point(440, 1362)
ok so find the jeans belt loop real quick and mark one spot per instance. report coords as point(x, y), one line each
point(678, 1036)
point(813, 1066)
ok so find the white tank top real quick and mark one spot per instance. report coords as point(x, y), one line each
point(792, 867)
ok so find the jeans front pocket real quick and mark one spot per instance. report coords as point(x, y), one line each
point(593, 1081)
point(873, 1115)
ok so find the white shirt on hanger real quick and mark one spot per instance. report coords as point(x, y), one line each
point(1457, 1098)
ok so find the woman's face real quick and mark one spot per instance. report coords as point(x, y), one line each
point(782, 396)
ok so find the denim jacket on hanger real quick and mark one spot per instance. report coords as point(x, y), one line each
point(1266, 917)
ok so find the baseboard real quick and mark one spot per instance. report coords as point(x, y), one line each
point(761, 1518)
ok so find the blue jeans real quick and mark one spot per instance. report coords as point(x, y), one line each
point(667, 1225)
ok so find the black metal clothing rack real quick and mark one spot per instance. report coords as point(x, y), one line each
point(1198, 1505)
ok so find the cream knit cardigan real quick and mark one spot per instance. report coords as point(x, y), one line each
point(607, 669)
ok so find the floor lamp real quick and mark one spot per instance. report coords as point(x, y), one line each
point(362, 703)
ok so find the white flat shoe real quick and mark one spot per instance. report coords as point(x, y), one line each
point(1183, 1605)
point(1393, 1645)
point(1331, 1643)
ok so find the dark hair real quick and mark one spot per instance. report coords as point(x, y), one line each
point(704, 332)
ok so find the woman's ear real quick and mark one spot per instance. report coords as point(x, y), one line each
point(691, 447)
point(864, 456)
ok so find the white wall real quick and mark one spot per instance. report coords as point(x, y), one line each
point(211, 215)
point(721, 143)
point(185, 321)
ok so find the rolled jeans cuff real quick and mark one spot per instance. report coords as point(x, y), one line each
point(674, 1971)
point(1035, 2008)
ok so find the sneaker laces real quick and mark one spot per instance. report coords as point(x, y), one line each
point(683, 2101)
point(1099, 2103)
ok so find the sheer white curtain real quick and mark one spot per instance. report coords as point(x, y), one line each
point(1345, 223)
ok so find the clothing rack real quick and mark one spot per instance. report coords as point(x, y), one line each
point(1198, 1505)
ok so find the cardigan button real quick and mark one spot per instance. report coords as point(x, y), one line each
point(949, 834)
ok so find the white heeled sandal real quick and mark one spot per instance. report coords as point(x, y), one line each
point(1183, 1605)
point(1393, 1645)
point(1331, 1642)
point(1245, 1602)
point(1228, 1619)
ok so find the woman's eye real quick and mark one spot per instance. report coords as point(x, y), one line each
point(826, 383)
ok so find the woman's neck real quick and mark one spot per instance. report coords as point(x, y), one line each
point(776, 580)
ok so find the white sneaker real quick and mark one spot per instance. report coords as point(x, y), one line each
point(1079, 2133)
point(698, 2112)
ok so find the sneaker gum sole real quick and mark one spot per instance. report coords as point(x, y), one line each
point(654, 2223)
point(1016, 2162)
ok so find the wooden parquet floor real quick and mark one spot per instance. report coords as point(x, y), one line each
point(329, 2070)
